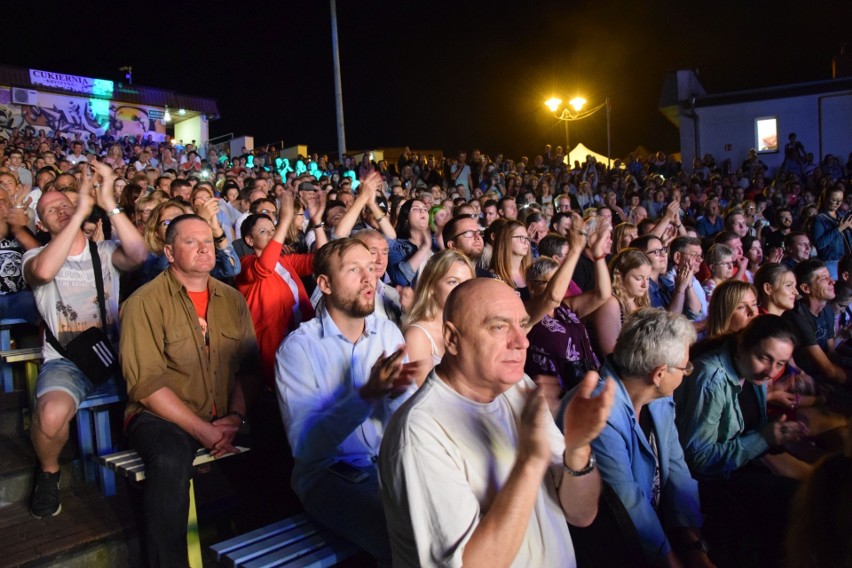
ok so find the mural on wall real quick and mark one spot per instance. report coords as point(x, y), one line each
point(69, 116)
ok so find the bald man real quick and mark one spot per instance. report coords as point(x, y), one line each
point(509, 481)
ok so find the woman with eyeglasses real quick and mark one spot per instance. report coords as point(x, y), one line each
point(720, 261)
point(827, 229)
point(638, 453)
point(658, 254)
point(732, 448)
point(271, 282)
point(511, 256)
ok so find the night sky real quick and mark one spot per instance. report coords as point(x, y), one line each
point(435, 75)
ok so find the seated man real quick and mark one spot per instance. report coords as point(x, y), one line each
point(187, 346)
point(639, 453)
point(474, 470)
point(61, 275)
point(814, 320)
point(339, 380)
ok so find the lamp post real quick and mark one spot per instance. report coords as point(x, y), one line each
point(574, 111)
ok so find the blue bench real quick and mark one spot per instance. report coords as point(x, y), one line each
point(129, 464)
point(6, 326)
point(293, 542)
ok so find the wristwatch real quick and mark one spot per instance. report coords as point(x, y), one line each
point(585, 471)
point(113, 212)
point(240, 415)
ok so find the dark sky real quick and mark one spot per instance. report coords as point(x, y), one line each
point(435, 75)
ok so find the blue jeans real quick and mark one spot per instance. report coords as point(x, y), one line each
point(64, 375)
point(167, 452)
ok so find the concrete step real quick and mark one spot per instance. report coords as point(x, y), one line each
point(91, 531)
point(12, 405)
point(17, 467)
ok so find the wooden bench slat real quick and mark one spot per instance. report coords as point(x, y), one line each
point(254, 536)
point(273, 542)
point(317, 550)
point(337, 553)
point(130, 464)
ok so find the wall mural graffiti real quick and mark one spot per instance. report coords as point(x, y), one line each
point(69, 116)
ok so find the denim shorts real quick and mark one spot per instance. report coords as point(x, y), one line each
point(63, 375)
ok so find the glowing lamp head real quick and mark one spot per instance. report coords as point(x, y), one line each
point(577, 103)
point(553, 103)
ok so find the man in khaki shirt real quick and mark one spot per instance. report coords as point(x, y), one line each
point(188, 356)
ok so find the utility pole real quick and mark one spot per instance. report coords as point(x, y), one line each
point(338, 88)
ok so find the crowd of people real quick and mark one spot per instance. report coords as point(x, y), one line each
point(466, 353)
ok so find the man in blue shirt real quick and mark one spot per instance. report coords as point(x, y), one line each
point(339, 378)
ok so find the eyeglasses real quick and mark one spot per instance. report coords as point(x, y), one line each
point(269, 211)
point(728, 264)
point(469, 234)
point(523, 238)
point(686, 370)
point(419, 210)
point(662, 251)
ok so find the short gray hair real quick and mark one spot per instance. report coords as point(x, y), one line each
point(541, 266)
point(650, 338)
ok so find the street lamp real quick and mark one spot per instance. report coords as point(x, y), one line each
point(574, 111)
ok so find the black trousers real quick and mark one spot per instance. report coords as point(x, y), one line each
point(167, 451)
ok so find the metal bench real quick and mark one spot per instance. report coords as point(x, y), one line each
point(293, 542)
point(129, 464)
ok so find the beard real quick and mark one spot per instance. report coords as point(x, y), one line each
point(355, 305)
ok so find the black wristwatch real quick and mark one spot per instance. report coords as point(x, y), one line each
point(700, 545)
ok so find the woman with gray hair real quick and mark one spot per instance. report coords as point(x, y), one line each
point(638, 452)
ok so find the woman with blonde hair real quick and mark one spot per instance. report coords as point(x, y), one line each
point(623, 234)
point(511, 256)
point(423, 324)
point(629, 270)
point(775, 284)
point(115, 156)
point(733, 305)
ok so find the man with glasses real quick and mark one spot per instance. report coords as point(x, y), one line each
point(463, 233)
point(638, 452)
point(685, 257)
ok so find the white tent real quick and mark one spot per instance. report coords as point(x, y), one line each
point(580, 152)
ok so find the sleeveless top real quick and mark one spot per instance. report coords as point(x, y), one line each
point(435, 357)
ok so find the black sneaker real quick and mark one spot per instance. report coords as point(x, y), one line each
point(45, 501)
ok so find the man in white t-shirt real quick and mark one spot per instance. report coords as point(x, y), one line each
point(473, 468)
point(62, 279)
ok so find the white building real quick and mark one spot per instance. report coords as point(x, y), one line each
point(728, 125)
